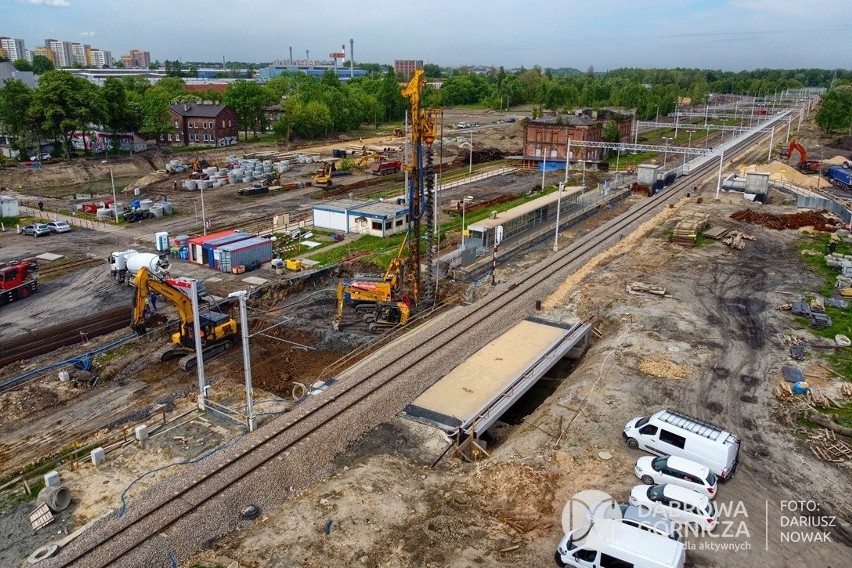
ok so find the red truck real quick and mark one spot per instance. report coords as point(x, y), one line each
point(385, 168)
point(18, 280)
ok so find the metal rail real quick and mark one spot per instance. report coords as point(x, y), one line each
point(68, 333)
point(143, 529)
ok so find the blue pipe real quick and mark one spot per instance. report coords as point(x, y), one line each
point(84, 358)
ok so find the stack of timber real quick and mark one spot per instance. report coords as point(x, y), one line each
point(686, 230)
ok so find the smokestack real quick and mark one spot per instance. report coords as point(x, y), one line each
point(351, 58)
point(307, 56)
point(291, 55)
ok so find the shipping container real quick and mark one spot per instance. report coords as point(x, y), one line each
point(196, 243)
point(210, 249)
point(250, 253)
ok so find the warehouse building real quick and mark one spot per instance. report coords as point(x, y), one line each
point(362, 216)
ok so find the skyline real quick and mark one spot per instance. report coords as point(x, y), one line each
point(728, 35)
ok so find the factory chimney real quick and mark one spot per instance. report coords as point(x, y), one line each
point(351, 58)
point(291, 55)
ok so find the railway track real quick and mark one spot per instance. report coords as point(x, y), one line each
point(68, 333)
point(55, 270)
point(187, 504)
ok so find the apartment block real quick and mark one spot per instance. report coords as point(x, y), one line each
point(136, 59)
point(407, 66)
point(61, 52)
point(12, 49)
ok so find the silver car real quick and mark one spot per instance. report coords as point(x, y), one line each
point(59, 227)
point(36, 230)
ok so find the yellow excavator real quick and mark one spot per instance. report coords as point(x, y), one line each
point(218, 330)
point(364, 162)
point(365, 292)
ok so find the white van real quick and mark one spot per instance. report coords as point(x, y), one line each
point(618, 545)
point(674, 434)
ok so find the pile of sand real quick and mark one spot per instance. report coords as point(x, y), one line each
point(782, 172)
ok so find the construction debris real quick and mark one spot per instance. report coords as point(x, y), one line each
point(716, 233)
point(643, 288)
point(827, 447)
point(819, 220)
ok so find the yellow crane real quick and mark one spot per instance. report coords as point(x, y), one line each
point(421, 180)
point(365, 293)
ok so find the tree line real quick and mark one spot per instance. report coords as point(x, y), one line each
point(296, 105)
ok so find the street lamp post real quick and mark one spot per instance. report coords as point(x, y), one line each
point(666, 152)
point(688, 145)
point(464, 203)
point(558, 207)
point(112, 181)
point(470, 167)
point(719, 180)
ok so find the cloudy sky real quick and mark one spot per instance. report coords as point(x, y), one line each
point(713, 34)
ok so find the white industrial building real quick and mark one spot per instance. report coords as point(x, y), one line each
point(362, 216)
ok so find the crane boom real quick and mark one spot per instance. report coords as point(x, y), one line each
point(421, 182)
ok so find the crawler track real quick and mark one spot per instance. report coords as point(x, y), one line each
point(69, 333)
point(139, 534)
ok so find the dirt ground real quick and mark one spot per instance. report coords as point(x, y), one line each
point(715, 339)
point(712, 348)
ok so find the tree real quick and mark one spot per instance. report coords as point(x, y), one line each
point(283, 127)
point(610, 131)
point(835, 113)
point(22, 65)
point(157, 120)
point(390, 97)
point(312, 120)
point(41, 64)
point(248, 100)
point(432, 71)
point(115, 103)
point(63, 104)
point(15, 101)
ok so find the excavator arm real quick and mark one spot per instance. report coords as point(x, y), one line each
point(804, 165)
point(338, 314)
point(146, 284)
point(394, 270)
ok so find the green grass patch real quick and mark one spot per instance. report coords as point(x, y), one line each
point(380, 251)
point(818, 242)
point(700, 239)
point(105, 358)
point(631, 159)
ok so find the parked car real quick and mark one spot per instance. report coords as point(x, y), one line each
point(43, 157)
point(606, 543)
point(36, 230)
point(670, 433)
point(631, 516)
point(646, 520)
point(678, 471)
point(462, 125)
point(676, 503)
point(58, 227)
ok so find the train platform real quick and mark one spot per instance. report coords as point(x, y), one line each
point(477, 392)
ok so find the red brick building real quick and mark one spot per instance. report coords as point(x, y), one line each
point(203, 124)
point(548, 137)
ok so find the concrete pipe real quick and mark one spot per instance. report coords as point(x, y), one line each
point(57, 498)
